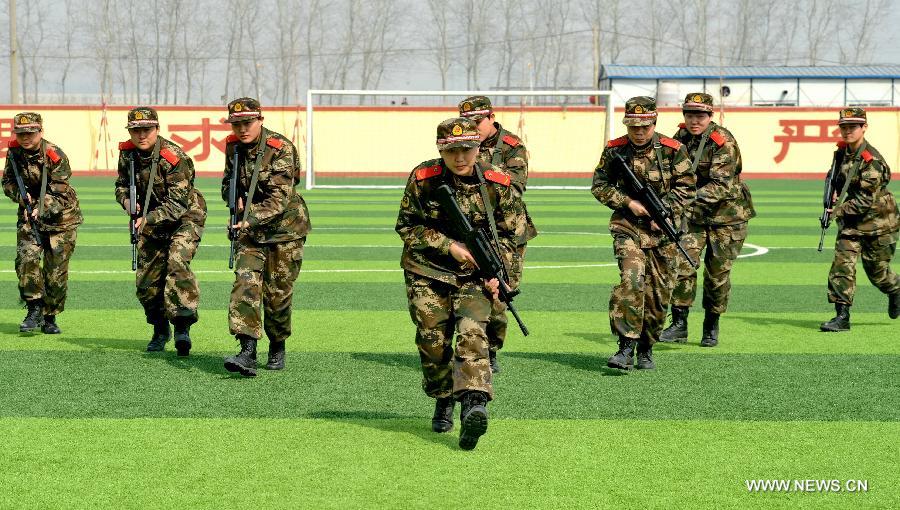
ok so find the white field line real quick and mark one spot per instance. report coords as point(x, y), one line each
point(757, 251)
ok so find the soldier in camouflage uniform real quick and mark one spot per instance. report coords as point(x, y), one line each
point(647, 259)
point(270, 234)
point(867, 218)
point(55, 216)
point(504, 150)
point(716, 222)
point(445, 296)
point(172, 213)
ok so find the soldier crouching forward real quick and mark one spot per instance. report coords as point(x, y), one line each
point(268, 234)
point(168, 217)
point(445, 296)
point(37, 178)
point(717, 220)
point(647, 259)
point(867, 217)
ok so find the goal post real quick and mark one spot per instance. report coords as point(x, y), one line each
point(375, 146)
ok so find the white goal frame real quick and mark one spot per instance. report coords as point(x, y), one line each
point(311, 94)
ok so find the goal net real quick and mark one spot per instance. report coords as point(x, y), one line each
point(374, 138)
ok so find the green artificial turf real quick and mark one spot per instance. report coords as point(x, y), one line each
point(92, 421)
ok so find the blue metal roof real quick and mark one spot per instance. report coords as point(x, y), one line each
point(615, 71)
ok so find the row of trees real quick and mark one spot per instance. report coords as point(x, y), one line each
point(208, 51)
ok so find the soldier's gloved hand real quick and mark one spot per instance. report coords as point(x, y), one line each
point(462, 255)
point(637, 208)
point(493, 286)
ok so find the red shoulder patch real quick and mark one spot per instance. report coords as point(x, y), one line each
point(717, 137)
point(12, 144)
point(682, 126)
point(842, 144)
point(511, 141)
point(618, 142)
point(867, 156)
point(231, 138)
point(169, 156)
point(428, 172)
point(126, 145)
point(669, 142)
point(275, 143)
point(53, 155)
point(499, 178)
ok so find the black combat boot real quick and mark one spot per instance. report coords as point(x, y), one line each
point(50, 326)
point(840, 322)
point(442, 421)
point(182, 335)
point(645, 355)
point(161, 335)
point(34, 317)
point(678, 329)
point(894, 305)
point(495, 367)
point(710, 330)
point(623, 359)
point(474, 419)
point(276, 356)
point(244, 361)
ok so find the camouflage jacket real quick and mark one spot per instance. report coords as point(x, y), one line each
point(173, 198)
point(868, 207)
point(722, 197)
point(506, 151)
point(278, 212)
point(673, 183)
point(424, 227)
point(61, 209)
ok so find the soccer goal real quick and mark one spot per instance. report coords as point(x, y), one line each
point(374, 138)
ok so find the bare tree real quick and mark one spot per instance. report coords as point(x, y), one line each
point(437, 35)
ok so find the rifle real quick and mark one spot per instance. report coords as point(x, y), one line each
point(828, 197)
point(232, 207)
point(132, 211)
point(24, 196)
point(659, 212)
point(488, 260)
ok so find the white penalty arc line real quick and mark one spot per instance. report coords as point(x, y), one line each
point(757, 251)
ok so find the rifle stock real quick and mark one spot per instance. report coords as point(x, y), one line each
point(659, 212)
point(23, 195)
point(489, 263)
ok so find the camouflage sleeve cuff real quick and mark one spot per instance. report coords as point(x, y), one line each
point(444, 247)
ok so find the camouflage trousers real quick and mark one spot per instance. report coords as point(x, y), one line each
point(722, 245)
point(876, 251)
point(439, 311)
point(498, 321)
point(263, 292)
point(166, 286)
point(49, 283)
point(637, 305)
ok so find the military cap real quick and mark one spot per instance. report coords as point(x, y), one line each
point(475, 108)
point(852, 115)
point(458, 132)
point(27, 122)
point(243, 108)
point(698, 102)
point(142, 116)
point(640, 111)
